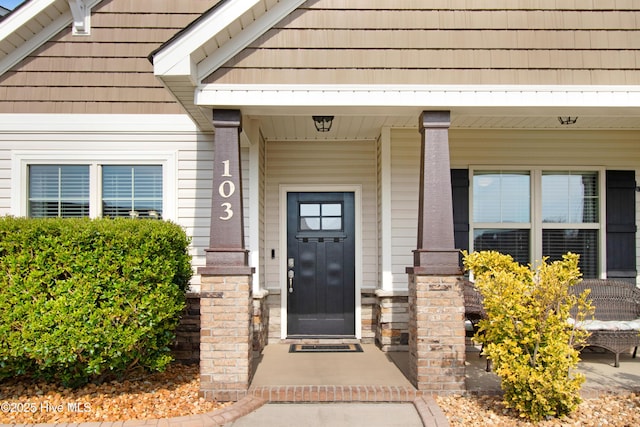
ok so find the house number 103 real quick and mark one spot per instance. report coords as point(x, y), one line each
point(226, 190)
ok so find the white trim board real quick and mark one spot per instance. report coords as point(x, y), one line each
point(170, 59)
point(175, 58)
point(249, 34)
point(97, 123)
point(414, 96)
point(386, 205)
point(356, 189)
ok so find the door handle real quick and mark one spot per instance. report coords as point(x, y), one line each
point(290, 274)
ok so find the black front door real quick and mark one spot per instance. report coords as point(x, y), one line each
point(320, 264)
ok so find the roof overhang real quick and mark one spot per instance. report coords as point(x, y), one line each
point(402, 99)
point(35, 22)
point(183, 62)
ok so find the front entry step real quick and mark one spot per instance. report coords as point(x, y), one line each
point(335, 393)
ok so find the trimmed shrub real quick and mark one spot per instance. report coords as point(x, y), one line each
point(527, 334)
point(89, 300)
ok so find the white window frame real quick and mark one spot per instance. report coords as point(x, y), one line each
point(21, 160)
point(536, 225)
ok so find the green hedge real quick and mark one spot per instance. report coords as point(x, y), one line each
point(89, 300)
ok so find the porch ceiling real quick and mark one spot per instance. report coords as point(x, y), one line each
point(367, 127)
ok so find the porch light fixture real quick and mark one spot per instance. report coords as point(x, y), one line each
point(323, 123)
point(567, 120)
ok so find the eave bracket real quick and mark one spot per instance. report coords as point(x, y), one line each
point(81, 17)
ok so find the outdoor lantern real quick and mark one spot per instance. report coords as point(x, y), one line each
point(567, 120)
point(323, 123)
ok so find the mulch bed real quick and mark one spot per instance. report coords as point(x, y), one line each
point(171, 393)
point(609, 410)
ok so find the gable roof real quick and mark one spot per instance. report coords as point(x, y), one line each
point(184, 61)
point(295, 57)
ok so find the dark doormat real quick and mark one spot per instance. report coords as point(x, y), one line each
point(325, 348)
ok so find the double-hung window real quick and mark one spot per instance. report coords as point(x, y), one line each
point(502, 212)
point(570, 217)
point(536, 213)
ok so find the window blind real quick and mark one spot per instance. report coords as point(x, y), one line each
point(501, 197)
point(555, 243)
point(56, 190)
point(570, 197)
point(514, 242)
point(132, 191)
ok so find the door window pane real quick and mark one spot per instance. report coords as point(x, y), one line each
point(309, 209)
point(331, 209)
point(56, 190)
point(132, 191)
point(307, 224)
point(320, 216)
point(501, 197)
point(332, 223)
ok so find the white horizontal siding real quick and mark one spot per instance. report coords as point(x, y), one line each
point(325, 163)
point(405, 171)
point(5, 179)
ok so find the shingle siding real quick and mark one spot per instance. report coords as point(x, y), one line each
point(446, 42)
point(106, 72)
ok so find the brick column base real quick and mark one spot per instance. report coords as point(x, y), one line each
point(226, 336)
point(392, 319)
point(436, 333)
point(186, 348)
point(260, 322)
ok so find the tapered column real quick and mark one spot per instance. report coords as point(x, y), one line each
point(436, 303)
point(435, 253)
point(226, 253)
point(226, 305)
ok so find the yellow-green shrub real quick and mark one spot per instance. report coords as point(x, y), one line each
point(527, 335)
point(87, 300)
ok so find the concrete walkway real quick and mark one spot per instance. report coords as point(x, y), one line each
point(335, 415)
point(364, 389)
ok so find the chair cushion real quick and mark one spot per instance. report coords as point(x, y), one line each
point(608, 325)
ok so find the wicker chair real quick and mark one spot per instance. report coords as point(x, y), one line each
point(474, 310)
point(617, 301)
point(614, 300)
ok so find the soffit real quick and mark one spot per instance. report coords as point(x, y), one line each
point(368, 127)
point(31, 25)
